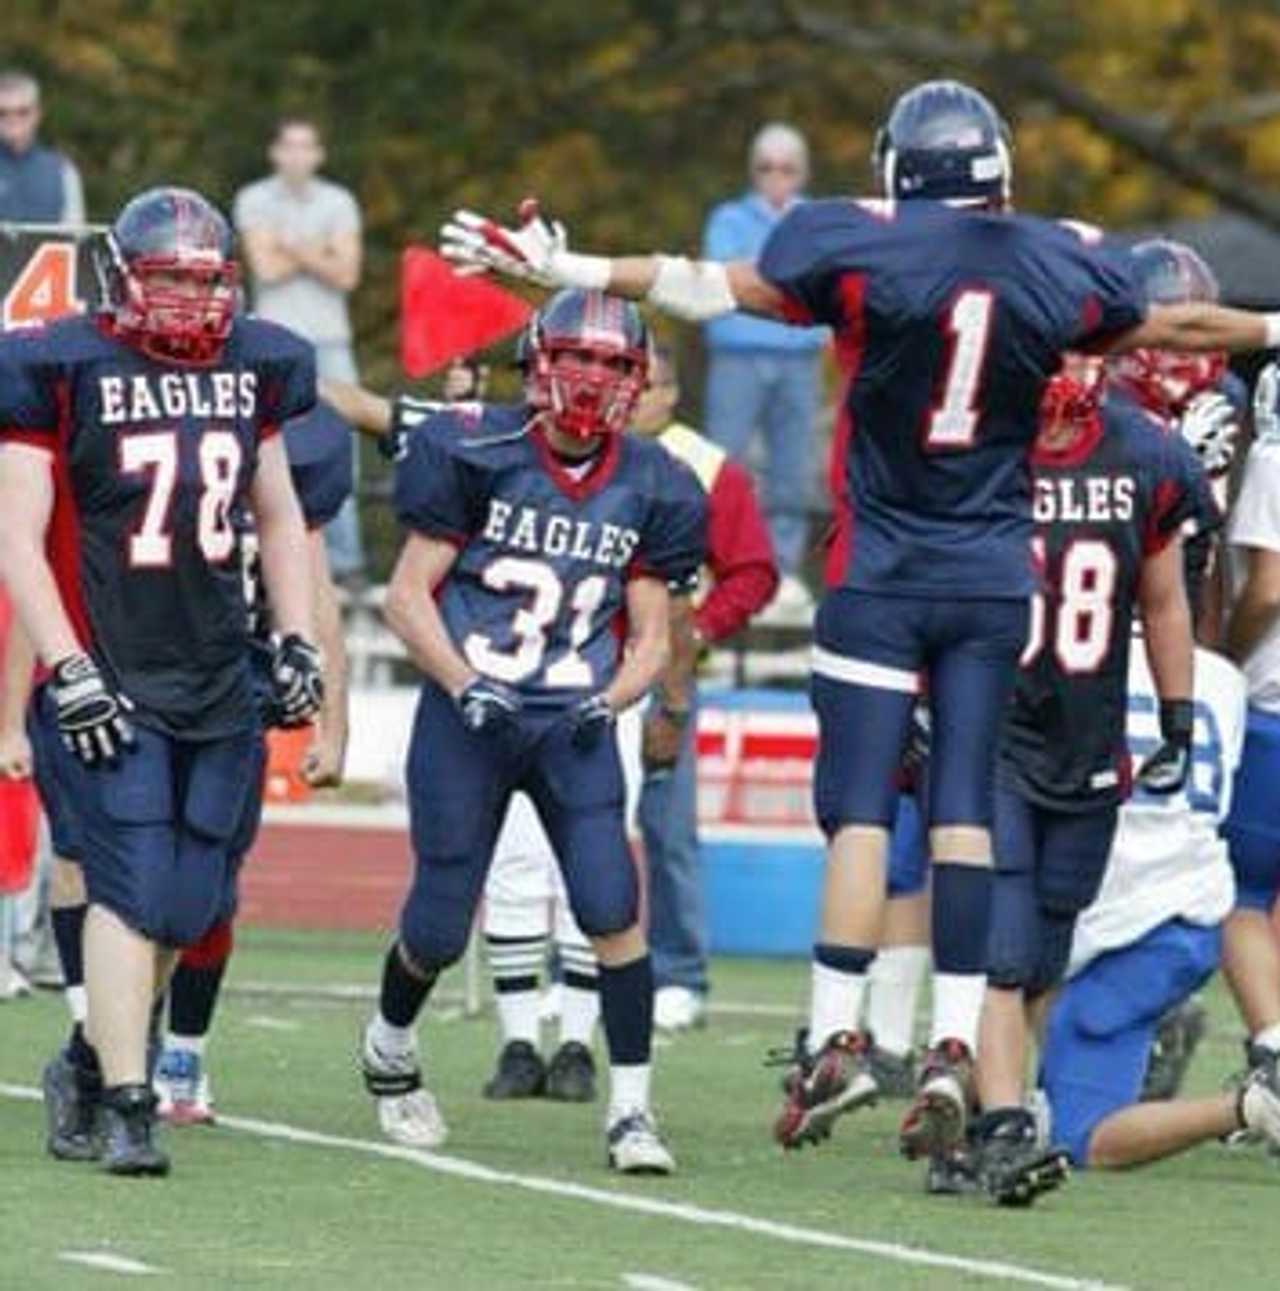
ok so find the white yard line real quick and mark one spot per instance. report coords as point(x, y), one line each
point(651, 1282)
point(107, 1262)
point(997, 1270)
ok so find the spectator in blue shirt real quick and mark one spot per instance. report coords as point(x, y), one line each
point(761, 375)
point(37, 184)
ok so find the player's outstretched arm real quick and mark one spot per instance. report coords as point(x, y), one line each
point(1170, 646)
point(537, 250)
point(412, 615)
point(648, 642)
point(26, 505)
point(368, 412)
point(324, 760)
point(1197, 326)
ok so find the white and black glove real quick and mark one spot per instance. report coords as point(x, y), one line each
point(92, 718)
point(1210, 425)
point(297, 680)
point(536, 250)
point(1166, 770)
point(488, 707)
point(590, 719)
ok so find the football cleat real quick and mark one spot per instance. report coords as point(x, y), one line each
point(822, 1087)
point(71, 1099)
point(935, 1122)
point(952, 1174)
point(1013, 1169)
point(182, 1088)
point(895, 1073)
point(1258, 1103)
point(128, 1124)
point(635, 1146)
point(407, 1113)
point(571, 1074)
point(521, 1073)
point(677, 1008)
point(1178, 1034)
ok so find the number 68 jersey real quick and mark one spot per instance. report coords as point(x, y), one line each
point(152, 463)
point(536, 596)
point(1117, 496)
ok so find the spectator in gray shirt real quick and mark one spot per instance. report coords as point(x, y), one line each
point(37, 184)
point(301, 240)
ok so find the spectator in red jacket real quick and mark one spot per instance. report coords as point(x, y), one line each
point(740, 580)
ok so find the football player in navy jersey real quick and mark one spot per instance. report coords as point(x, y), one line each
point(132, 439)
point(1112, 493)
point(318, 446)
point(949, 314)
point(539, 535)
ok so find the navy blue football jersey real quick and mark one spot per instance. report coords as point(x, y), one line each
point(1101, 508)
point(319, 448)
point(537, 595)
point(152, 466)
point(948, 322)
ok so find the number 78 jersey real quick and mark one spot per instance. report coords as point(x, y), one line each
point(537, 595)
point(1102, 507)
point(947, 322)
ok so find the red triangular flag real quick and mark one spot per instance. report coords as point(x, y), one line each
point(444, 316)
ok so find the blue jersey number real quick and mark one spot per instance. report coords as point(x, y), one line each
point(1204, 785)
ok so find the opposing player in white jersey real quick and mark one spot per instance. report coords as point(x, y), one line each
point(1152, 938)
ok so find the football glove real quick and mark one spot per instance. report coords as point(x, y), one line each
point(1210, 425)
point(488, 706)
point(92, 718)
point(589, 719)
point(536, 250)
point(1166, 770)
point(297, 682)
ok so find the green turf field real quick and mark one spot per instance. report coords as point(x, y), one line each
point(252, 1209)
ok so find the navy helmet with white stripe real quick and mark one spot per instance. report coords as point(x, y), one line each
point(945, 141)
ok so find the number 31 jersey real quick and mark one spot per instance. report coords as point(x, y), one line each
point(947, 322)
point(1102, 507)
point(537, 594)
point(152, 466)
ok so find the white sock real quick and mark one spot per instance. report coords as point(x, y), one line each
point(185, 1043)
point(518, 1016)
point(77, 1003)
point(516, 964)
point(895, 978)
point(580, 1002)
point(390, 1039)
point(1269, 1038)
point(628, 1090)
point(957, 1006)
point(835, 1003)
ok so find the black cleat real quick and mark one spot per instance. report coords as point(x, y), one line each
point(521, 1072)
point(952, 1174)
point(128, 1122)
point(1012, 1167)
point(571, 1074)
point(895, 1073)
point(72, 1095)
point(1178, 1034)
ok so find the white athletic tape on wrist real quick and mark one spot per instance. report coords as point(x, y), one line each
point(696, 290)
point(1272, 323)
point(591, 273)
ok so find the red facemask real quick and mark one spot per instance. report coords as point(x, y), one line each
point(587, 399)
point(1164, 382)
point(1073, 394)
point(185, 327)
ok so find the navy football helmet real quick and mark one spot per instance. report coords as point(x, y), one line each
point(169, 280)
point(585, 357)
point(1164, 382)
point(945, 141)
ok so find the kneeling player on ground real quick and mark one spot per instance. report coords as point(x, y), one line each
point(536, 526)
point(1112, 493)
point(132, 441)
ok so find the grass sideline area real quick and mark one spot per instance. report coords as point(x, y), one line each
point(519, 1196)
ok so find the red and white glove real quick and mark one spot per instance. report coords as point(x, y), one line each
point(536, 250)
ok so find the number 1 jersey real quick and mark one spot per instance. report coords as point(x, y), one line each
point(537, 596)
point(1102, 506)
point(152, 466)
point(947, 322)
